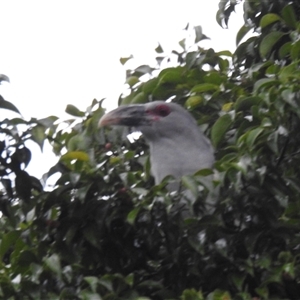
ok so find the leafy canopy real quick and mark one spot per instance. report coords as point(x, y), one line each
point(101, 233)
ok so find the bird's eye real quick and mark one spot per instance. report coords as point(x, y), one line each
point(162, 110)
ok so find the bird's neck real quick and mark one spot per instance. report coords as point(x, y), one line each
point(180, 155)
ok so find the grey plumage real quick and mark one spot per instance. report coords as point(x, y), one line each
point(177, 145)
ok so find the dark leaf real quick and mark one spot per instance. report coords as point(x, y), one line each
point(289, 16)
point(269, 19)
point(23, 185)
point(123, 60)
point(159, 49)
point(220, 128)
point(4, 78)
point(269, 42)
point(8, 105)
point(7, 240)
point(74, 111)
point(198, 33)
point(241, 33)
point(21, 156)
point(38, 135)
point(8, 187)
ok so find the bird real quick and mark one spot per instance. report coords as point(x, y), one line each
point(177, 145)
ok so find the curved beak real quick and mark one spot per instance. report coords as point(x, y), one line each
point(131, 115)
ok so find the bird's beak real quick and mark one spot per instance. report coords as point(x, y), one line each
point(131, 115)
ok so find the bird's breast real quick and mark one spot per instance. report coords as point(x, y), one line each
point(177, 161)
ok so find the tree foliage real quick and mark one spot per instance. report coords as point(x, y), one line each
point(106, 232)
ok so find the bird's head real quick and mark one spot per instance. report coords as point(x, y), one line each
point(152, 119)
point(177, 146)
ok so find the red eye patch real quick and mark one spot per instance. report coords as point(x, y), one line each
point(162, 110)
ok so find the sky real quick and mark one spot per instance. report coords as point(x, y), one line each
point(67, 52)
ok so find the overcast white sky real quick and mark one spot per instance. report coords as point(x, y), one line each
point(61, 51)
point(58, 52)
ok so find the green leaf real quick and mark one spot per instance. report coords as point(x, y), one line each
point(264, 262)
point(139, 98)
point(150, 85)
point(238, 279)
point(289, 16)
point(272, 69)
point(241, 33)
point(8, 105)
point(26, 258)
point(92, 281)
point(38, 135)
point(199, 34)
point(204, 172)
point(18, 121)
point(53, 263)
point(84, 295)
point(193, 101)
point(182, 43)
point(93, 126)
point(159, 49)
point(74, 111)
point(219, 295)
point(107, 282)
point(204, 87)
point(170, 75)
point(47, 122)
point(222, 16)
point(192, 294)
point(147, 166)
point(142, 70)
point(266, 123)
point(285, 50)
point(82, 192)
point(191, 58)
point(265, 82)
point(289, 71)
point(294, 184)
point(132, 215)
point(220, 128)
point(227, 106)
point(253, 135)
point(269, 42)
point(80, 155)
point(79, 142)
point(151, 284)
point(224, 53)
point(263, 291)
point(289, 96)
point(127, 100)
point(214, 78)
point(8, 240)
point(190, 183)
point(245, 103)
point(132, 80)
point(90, 234)
point(289, 269)
point(129, 279)
point(123, 60)
point(268, 19)
point(295, 51)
